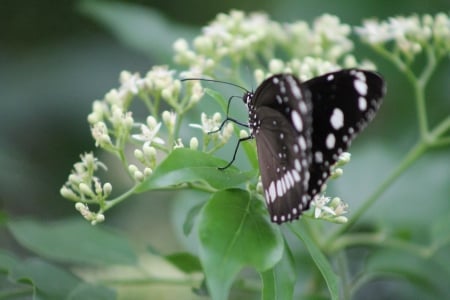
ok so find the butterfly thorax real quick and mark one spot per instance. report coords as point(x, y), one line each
point(253, 120)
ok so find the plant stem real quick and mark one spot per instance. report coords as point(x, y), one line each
point(117, 200)
point(411, 157)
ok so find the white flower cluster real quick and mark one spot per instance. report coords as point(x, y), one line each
point(410, 35)
point(330, 209)
point(232, 38)
point(83, 187)
point(212, 131)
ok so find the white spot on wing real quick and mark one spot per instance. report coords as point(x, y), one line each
point(337, 119)
point(302, 143)
point(294, 87)
point(318, 157)
point(279, 189)
point(362, 103)
point(297, 120)
point(297, 165)
point(360, 86)
point(272, 191)
point(302, 106)
point(330, 141)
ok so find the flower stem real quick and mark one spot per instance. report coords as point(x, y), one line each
point(409, 159)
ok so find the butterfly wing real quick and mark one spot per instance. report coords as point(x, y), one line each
point(343, 103)
point(280, 119)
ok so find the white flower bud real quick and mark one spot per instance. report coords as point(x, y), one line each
point(99, 218)
point(336, 173)
point(80, 206)
point(85, 189)
point(243, 134)
point(98, 187)
point(180, 45)
point(68, 193)
point(340, 219)
point(193, 143)
point(139, 155)
point(107, 189)
point(151, 122)
point(148, 172)
point(227, 132)
point(132, 168)
point(276, 66)
point(138, 176)
point(217, 117)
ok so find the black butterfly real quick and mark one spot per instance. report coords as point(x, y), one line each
point(301, 128)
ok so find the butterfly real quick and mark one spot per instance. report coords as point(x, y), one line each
point(301, 128)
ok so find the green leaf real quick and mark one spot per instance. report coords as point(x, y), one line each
point(440, 231)
point(319, 259)
point(189, 166)
point(191, 217)
point(423, 274)
point(186, 262)
point(73, 241)
point(51, 282)
point(3, 217)
point(7, 261)
point(279, 282)
point(234, 233)
point(89, 291)
point(218, 97)
point(137, 26)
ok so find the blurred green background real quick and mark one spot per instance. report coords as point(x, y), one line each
point(56, 57)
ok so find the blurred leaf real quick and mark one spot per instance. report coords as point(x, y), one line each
point(89, 291)
point(137, 26)
point(279, 282)
point(191, 217)
point(186, 262)
point(51, 282)
point(320, 260)
point(424, 275)
point(7, 261)
point(233, 233)
point(73, 241)
point(3, 217)
point(440, 231)
point(185, 165)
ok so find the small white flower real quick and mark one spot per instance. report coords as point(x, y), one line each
point(208, 124)
point(169, 118)
point(148, 135)
point(100, 134)
point(320, 206)
point(131, 83)
point(178, 144)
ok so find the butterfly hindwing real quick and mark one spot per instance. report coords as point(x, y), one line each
point(343, 103)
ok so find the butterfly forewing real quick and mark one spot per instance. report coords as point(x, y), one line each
point(343, 103)
point(280, 120)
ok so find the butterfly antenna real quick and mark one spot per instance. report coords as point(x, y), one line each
point(218, 81)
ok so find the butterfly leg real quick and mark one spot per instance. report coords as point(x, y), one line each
point(228, 118)
point(225, 121)
point(235, 151)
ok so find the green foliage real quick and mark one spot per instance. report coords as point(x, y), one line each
point(58, 241)
point(230, 230)
point(187, 166)
point(233, 234)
